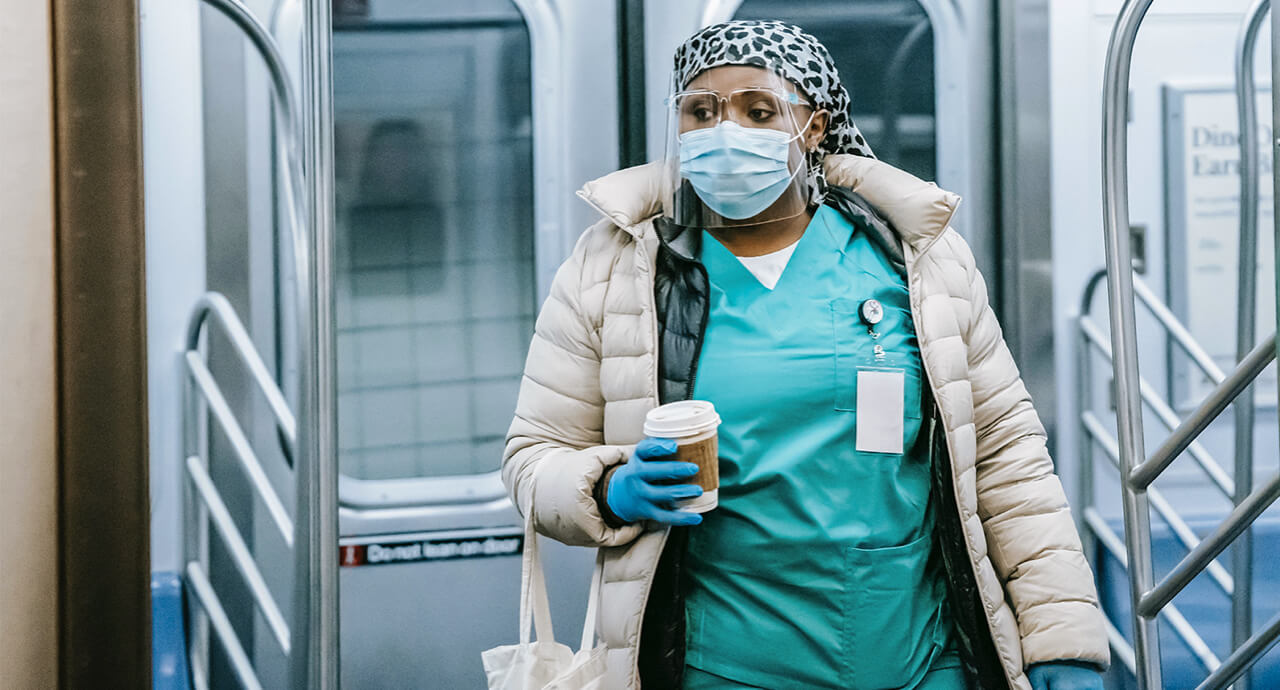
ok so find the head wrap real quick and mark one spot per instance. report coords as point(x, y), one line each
point(796, 56)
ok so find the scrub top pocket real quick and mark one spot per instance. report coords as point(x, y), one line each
point(891, 616)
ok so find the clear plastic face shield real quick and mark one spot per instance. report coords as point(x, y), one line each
point(736, 149)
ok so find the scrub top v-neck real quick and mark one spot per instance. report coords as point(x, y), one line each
point(817, 568)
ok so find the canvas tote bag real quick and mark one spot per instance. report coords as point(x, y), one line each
point(543, 663)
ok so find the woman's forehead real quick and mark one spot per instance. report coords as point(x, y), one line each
point(729, 77)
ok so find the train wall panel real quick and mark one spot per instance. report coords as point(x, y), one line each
point(28, 413)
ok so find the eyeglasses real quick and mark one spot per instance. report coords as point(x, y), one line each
point(751, 107)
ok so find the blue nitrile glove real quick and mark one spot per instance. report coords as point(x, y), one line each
point(637, 492)
point(1065, 675)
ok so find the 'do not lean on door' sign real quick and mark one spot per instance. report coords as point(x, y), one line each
point(399, 550)
point(1202, 206)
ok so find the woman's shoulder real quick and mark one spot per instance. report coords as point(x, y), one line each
point(627, 197)
point(601, 244)
point(948, 267)
point(593, 264)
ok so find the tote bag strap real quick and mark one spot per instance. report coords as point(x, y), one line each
point(589, 625)
point(533, 589)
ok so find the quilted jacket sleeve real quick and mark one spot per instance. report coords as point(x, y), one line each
point(1031, 538)
point(554, 453)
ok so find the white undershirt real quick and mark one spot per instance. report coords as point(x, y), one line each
point(767, 268)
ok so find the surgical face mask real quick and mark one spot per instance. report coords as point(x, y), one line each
point(737, 171)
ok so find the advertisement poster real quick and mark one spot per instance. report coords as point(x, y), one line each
point(1202, 193)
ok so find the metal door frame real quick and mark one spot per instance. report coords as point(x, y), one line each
point(104, 598)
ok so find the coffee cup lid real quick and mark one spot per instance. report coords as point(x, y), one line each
point(683, 418)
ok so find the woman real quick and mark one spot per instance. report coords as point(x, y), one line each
point(775, 268)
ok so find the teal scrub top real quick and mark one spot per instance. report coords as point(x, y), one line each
point(817, 569)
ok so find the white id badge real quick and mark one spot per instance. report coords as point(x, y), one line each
point(881, 405)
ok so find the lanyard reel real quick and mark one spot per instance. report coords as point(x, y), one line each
point(871, 312)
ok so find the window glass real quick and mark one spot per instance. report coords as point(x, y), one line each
point(884, 52)
point(434, 269)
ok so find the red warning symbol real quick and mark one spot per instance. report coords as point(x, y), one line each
point(352, 555)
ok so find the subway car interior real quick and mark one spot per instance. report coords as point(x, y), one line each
point(292, 253)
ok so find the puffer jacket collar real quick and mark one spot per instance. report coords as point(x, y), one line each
point(919, 211)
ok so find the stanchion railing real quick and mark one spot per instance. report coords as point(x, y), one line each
point(203, 399)
point(310, 643)
point(1246, 308)
point(1137, 470)
point(1094, 433)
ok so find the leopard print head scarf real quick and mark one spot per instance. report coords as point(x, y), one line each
point(797, 57)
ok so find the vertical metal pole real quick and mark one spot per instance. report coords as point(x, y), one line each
point(632, 143)
point(1084, 401)
point(195, 543)
point(1275, 142)
point(314, 662)
point(1115, 198)
point(1246, 327)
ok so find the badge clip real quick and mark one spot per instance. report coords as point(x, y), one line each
point(871, 312)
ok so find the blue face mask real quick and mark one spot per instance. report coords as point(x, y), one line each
point(737, 171)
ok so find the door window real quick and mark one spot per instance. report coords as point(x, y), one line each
point(883, 50)
point(434, 273)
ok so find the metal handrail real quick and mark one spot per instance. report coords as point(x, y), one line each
point(1180, 334)
point(286, 100)
point(1181, 530)
point(1115, 198)
point(1094, 336)
point(288, 147)
point(202, 399)
point(1202, 554)
point(1181, 627)
point(1246, 304)
point(1148, 599)
point(260, 37)
point(1120, 646)
point(1245, 656)
point(313, 535)
point(1172, 325)
point(1095, 432)
point(240, 554)
point(1140, 477)
point(243, 450)
point(1186, 570)
point(208, 600)
point(214, 305)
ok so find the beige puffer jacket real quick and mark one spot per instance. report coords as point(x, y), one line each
point(592, 374)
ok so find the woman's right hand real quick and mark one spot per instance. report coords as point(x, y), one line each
point(641, 489)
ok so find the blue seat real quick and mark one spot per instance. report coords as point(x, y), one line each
point(169, 669)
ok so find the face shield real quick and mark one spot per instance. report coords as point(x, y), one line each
point(735, 153)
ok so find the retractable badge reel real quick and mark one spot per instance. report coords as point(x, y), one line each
point(881, 389)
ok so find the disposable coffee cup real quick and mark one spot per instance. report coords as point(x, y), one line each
point(692, 424)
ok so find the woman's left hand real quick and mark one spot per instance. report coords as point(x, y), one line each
point(1064, 675)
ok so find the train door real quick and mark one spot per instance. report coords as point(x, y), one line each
point(454, 189)
point(461, 131)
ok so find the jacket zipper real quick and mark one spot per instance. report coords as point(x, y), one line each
point(652, 272)
point(702, 333)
